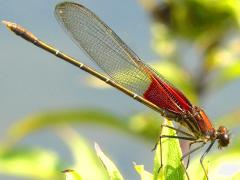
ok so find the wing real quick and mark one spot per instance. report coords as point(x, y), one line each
point(113, 55)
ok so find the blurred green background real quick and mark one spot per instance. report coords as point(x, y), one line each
point(51, 113)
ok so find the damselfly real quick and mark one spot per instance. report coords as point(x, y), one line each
point(129, 74)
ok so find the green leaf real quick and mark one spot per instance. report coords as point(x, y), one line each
point(229, 73)
point(204, 22)
point(111, 168)
point(85, 160)
point(171, 156)
point(163, 41)
point(58, 118)
point(145, 124)
point(72, 175)
point(61, 117)
point(145, 175)
point(221, 165)
point(35, 163)
point(236, 176)
point(197, 18)
point(217, 57)
point(221, 57)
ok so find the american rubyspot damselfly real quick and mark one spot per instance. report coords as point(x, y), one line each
point(129, 74)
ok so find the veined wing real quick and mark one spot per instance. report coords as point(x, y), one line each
point(113, 55)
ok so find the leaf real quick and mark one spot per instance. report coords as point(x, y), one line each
point(204, 22)
point(111, 168)
point(229, 73)
point(85, 160)
point(72, 175)
point(145, 124)
point(233, 6)
point(61, 117)
point(218, 57)
point(58, 118)
point(171, 154)
point(145, 175)
point(221, 165)
point(35, 163)
point(222, 56)
point(225, 61)
point(163, 41)
point(236, 176)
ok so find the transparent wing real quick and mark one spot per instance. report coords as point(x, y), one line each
point(103, 46)
point(116, 59)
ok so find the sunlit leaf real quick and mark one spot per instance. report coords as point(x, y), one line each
point(225, 61)
point(113, 172)
point(222, 164)
point(236, 176)
point(195, 168)
point(85, 160)
point(58, 118)
point(171, 156)
point(233, 6)
point(229, 73)
point(146, 123)
point(223, 56)
point(145, 175)
point(72, 175)
point(218, 58)
point(34, 163)
point(163, 42)
point(202, 21)
point(39, 121)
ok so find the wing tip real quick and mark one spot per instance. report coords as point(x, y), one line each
point(62, 4)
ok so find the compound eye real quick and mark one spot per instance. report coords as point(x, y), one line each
point(223, 140)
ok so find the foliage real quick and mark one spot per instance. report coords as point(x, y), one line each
point(85, 160)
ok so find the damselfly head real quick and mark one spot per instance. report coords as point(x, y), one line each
point(223, 137)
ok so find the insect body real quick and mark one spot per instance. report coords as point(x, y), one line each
point(129, 74)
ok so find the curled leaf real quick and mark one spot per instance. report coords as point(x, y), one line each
point(72, 175)
point(85, 159)
point(221, 165)
point(113, 172)
point(145, 175)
